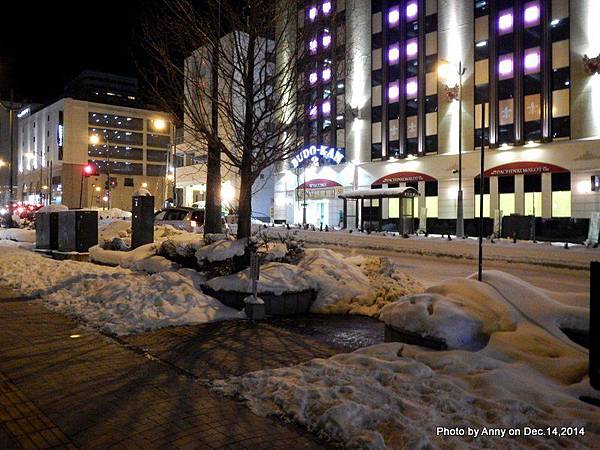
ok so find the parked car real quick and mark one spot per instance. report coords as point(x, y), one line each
point(188, 219)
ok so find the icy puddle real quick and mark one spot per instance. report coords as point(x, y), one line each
point(339, 330)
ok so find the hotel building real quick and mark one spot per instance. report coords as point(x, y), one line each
point(381, 88)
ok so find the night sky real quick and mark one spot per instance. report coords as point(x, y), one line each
point(43, 45)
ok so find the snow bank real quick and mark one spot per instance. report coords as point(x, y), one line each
point(395, 395)
point(221, 250)
point(115, 299)
point(143, 258)
point(112, 214)
point(357, 285)
point(129, 303)
point(465, 313)
point(17, 234)
point(275, 278)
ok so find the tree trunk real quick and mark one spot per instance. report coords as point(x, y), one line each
point(245, 202)
point(212, 214)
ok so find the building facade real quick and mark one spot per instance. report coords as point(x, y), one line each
point(191, 167)
point(55, 144)
point(382, 114)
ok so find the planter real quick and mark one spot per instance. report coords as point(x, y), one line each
point(288, 303)
point(255, 310)
point(394, 335)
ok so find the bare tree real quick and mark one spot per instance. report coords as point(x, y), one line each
point(256, 98)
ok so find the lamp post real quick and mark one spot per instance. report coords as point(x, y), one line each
point(454, 93)
point(95, 140)
point(160, 125)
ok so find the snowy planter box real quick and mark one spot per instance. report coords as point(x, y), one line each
point(284, 288)
point(284, 304)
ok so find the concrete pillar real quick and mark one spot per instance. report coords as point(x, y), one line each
point(494, 197)
point(546, 195)
point(358, 80)
point(519, 194)
point(455, 43)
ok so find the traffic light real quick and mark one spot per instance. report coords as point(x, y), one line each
point(89, 170)
point(106, 185)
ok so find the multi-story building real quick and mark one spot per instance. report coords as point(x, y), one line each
point(55, 144)
point(382, 116)
point(191, 166)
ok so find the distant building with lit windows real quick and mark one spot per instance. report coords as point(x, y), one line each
point(374, 95)
point(54, 147)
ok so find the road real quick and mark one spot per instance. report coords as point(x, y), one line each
point(431, 270)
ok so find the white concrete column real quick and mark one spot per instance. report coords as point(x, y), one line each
point(519, 194)
point(494, 196)
point(546, 195)
point(358, 80)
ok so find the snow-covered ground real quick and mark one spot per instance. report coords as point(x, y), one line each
point(528, 376)
point(17, 234)
point(115, 299)
point(576, 256)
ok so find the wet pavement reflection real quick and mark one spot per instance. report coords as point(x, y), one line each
point(345, 331)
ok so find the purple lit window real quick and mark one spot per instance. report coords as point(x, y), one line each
point(505, 21)
point(312, 13)
point(412, 10)
point(326, 108)
point(532, 60)
point(312, 112)
point(412, 49)
point(326, 7)
point(326, 40)
point(394, 16)
point(531, 14)
point(312, 78)
point(312, 46)
point(505, 67)
point(412, 88)
point(393, 91)
point(326, 74)
point(394, 53)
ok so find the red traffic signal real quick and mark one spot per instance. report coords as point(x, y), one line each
point(89, 170)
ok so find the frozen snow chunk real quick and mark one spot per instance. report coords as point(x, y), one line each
point(221, 250)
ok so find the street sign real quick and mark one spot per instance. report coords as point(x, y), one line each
point(254, 266)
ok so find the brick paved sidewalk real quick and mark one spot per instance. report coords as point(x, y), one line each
point(64, 386)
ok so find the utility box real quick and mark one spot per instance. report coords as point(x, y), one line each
point(77, 230)
point(142, 220)
point(46, 230)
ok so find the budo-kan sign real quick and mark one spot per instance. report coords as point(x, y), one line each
point(318, 156)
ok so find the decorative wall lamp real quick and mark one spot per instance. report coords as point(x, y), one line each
point(591, 65)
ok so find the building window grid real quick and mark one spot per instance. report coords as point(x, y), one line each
point(323, 81)
point(521, 80)
point(402, 81)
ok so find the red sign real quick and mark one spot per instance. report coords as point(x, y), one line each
point(523, 168)
point(318, 184)
point(403, 177)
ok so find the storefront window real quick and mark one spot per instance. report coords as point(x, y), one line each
point(561, 194)
point(431, 198)
point(533, 195)
point(506, 189)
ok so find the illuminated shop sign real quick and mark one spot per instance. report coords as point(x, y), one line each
point(318, 156)
point(319, 189)
point(403, 177)
point(523, 168)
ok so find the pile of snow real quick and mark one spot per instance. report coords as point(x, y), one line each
point(275, 278)
point(129, 303)
point(221, 250)
point(112, 230)
point(17, 234)
point(52, 208)
point(142, 192)
point(357, 285)
point(114, 299)
point(529, 376)
point(113, 214)
point(465, 313)
point(143, 258)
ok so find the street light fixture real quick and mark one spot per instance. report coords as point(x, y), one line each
point(160, 125)
point(95, 140)
point(453, 76)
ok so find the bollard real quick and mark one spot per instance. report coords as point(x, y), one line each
point(595, 324)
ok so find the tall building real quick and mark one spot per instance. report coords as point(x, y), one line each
point(55, 143)
point(5, 153)
point(100, 87)
point(191, 167)
point(382, 82)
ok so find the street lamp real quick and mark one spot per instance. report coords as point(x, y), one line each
point(454, 83)
point(161, 125)
point(95, 140)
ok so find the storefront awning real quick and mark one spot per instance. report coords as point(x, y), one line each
point(401, 192)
